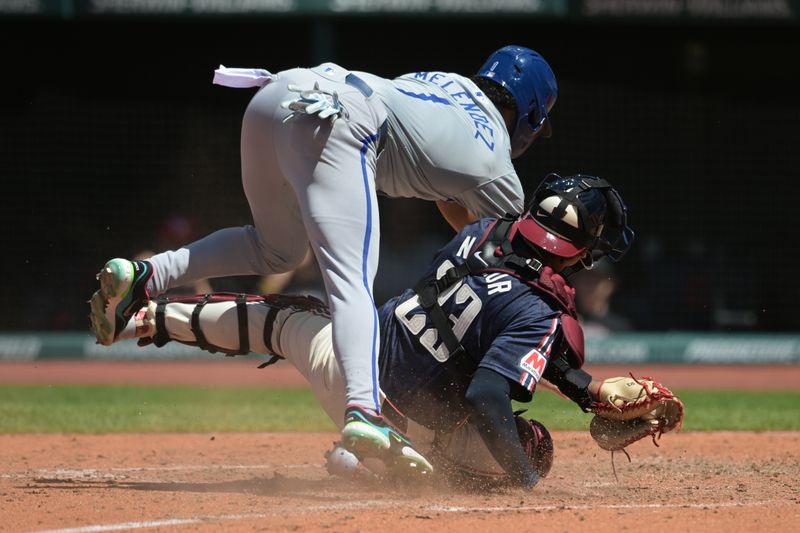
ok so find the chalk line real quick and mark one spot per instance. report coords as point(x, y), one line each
point(384, 504)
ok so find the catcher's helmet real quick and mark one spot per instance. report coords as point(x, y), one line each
point(575, 214)
point(530, 80)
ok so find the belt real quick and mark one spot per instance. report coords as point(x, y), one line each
point(354, 81)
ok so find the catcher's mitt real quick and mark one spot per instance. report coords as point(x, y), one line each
point(630, 409)
point(464, 459)
point(537, 443)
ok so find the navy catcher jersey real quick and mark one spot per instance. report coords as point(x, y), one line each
point(502, 323)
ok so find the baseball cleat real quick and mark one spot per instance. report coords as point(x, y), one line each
point(366, 435)
point(123, 292)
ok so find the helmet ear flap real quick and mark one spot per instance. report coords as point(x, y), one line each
point(620, 236)
point(526, 75)
point(616, 209)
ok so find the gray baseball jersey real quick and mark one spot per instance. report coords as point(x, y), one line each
point(446, 141)
point(428, 135)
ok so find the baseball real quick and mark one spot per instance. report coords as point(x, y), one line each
point(341, 462)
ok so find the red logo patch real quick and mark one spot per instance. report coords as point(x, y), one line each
point(533, 363)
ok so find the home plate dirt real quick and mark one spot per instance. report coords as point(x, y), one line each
point(709, 482)
point(726, 482)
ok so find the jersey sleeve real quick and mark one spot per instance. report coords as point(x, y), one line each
point(495, 198)
point(521, 352)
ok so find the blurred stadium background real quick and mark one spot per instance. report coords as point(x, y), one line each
point(112, 131)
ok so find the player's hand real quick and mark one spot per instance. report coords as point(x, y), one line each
point(314, 102)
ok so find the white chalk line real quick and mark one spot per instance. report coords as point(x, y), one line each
point(111, 473)
point(384, 504)
point(461, 509)
point(369, 504)
point(125, 525)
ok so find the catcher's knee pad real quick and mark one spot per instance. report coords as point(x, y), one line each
point(537, 443)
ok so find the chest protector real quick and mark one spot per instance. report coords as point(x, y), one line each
point(494, 253)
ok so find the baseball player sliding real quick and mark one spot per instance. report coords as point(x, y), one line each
point(491, 317)
point(317, 145)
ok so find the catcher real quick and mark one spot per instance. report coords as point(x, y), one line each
point(491, 318)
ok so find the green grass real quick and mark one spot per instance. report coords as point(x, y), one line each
point(704, 411)
point(101, 409)
point(71, 409)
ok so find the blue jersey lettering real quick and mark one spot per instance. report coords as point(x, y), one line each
point(479, 118)
point(486, 141)
point(428, 97)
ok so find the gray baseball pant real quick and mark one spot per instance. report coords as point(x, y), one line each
point(306, 180)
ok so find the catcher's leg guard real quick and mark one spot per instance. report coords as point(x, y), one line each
point(234, 324)
point(296, 328)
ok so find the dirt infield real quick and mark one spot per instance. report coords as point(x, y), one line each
point(720, 482)
point(715, 482)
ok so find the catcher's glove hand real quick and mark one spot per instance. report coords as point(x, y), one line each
point(630, 409)
point(536, 441)
point(462, 456)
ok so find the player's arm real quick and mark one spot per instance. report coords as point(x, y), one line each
point(488, 399)
point(455, 215)
point(593, 387)
point(493, 199)
point(573, 383)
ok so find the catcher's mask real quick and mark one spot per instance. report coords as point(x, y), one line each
point(530, 80)
point(574, 215)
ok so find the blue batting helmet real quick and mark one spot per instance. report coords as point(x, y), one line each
point(530, 80)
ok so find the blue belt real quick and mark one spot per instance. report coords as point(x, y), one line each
point(354, 81)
